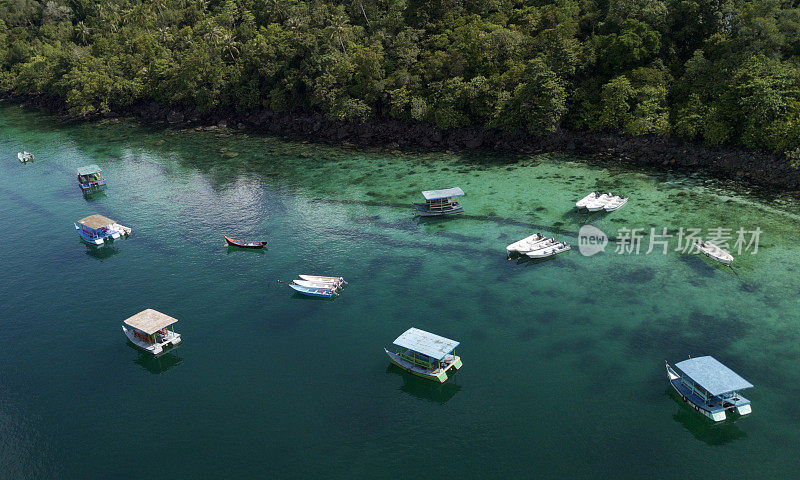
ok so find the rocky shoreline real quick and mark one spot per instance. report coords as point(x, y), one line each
point(759, 169)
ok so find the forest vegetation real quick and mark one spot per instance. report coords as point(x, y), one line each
point(721, 72)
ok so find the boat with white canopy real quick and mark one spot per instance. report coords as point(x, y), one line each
point(712, 251)
point(97, 230)
point(148, 331)
point(425, 354)
point(440, 202)
point(709, 386)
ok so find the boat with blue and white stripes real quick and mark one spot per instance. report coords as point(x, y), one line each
point(709, 386)
point(314, 291)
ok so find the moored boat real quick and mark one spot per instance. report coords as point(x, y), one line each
point(90, 180)
point(326, 285)
point(588, 198)
point(523, 245)
point(440, 202)
point(712, 251)
point(313, 278)
point(97, 230)
point(425, 354)
point(24, 156)
point(549, 250)
point(245, 243)
point(615, 203)
point(148, 330)
point(599, 203)
point(314, 291)
point(709, 386)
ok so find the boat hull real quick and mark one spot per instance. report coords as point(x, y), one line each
point(716, 254)
point(313, 291)
point(717, 414)
point(439, 376)
point(245, 244)
point(152, 348)
point(424, 210)
point(548, 251)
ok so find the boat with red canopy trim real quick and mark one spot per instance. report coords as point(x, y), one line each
point(244, 243)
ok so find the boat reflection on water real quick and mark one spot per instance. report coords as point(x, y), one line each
point(251, 251)
point(425, 389)
point(101, 253)
point(702, 428)
point(156, 364)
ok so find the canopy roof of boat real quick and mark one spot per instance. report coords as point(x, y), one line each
point(426, 343)
point(710, 374)
point(150, 321)
point(96, 221)
point(443, 193)
point(88, 169)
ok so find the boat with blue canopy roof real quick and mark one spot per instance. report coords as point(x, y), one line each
point(90, 180)
point(440, 202)
point(425, 354)
point(711, 387)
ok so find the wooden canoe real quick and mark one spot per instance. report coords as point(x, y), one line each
point(244, 243)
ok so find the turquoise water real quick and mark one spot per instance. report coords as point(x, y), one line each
point(563, 359)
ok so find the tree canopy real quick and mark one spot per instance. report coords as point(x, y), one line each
point(717, 71)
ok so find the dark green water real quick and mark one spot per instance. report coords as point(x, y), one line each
point(563, 360)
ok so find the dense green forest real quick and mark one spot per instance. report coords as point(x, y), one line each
point(718, 71)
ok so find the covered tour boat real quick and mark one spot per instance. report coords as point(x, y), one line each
point(709, 386)
point(90, 180)
point(425, 354)
point(440, 202)
point(148, 331)
point(245, 243)
point(97, 230)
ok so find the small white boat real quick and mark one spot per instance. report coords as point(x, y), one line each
point(521, 244)
point(549, 251)
point(24, 156)
point(615, 203)
point(599, 203)
point(588, 198)
point(321, 278)
point(712, 251)
point(323, 285)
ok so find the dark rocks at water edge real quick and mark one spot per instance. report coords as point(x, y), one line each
point(756, 168)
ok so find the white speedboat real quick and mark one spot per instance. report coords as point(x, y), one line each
point(712, 251)
point(549, 251)
point(323, 285)
point(24, 156)
point(599, 203)
point(321, 278)
point(588, 198)
point(615, 203)
point(519, 244)
point(531, 246)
